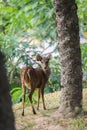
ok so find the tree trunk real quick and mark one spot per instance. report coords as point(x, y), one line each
point(6, 114)
point(70, 57)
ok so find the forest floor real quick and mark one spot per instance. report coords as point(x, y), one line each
point(49, 119)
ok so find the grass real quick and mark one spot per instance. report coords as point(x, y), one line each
point(78, 124)
point(48, 119)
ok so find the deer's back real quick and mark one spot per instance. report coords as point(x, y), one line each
point(33, 77)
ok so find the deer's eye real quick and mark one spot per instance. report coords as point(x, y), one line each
point(46, 62)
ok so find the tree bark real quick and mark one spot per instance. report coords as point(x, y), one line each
point(6, 114)
point(70, 57)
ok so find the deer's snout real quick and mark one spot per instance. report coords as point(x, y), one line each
point(44, 66)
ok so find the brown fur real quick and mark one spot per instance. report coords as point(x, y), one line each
point(32, 78)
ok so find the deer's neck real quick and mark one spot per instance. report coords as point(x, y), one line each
point(47, 72)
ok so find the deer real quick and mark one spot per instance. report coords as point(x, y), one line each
point(35, 78)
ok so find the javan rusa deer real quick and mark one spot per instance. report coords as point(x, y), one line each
point(33, 78)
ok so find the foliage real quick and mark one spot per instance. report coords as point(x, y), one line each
point(84, 57)
point(27, 16)
point(82, 6)
point(16, 93)
point(84, 63)
point(78, 124)
point(34, 17)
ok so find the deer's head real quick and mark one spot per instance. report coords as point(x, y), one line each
point(44, 61)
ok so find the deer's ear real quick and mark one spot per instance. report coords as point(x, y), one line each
point(49, 57)
point(38, 58)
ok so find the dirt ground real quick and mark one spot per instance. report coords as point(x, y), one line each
point(49, 119)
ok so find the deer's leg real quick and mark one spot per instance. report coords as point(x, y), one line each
point(30, 98)
point(23, 98)
point(38, 99)
point(42, 92)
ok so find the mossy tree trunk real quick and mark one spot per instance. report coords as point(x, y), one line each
point(6, 113)
point(70, 57)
